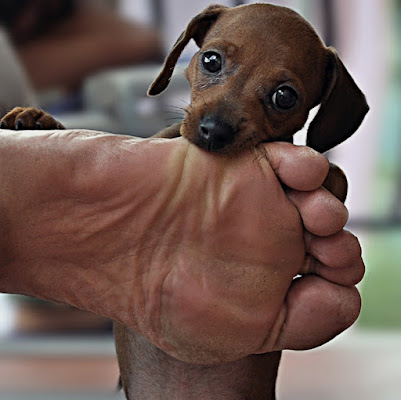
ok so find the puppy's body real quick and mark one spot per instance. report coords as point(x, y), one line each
point(259, 71)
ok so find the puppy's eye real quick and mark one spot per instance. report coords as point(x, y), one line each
point(211, 61)
point(285, 98)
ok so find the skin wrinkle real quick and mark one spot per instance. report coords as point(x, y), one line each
point(228, 192)
point(162, 297)
point(154, 296)
point(208, 206)
point(213, 208)
point(176, 177)
point(148, 254)
point(273, 336)
point(161, 251)
point(89, 218)
point(132, 314)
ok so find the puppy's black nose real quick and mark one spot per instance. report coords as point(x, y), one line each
point(215, 133)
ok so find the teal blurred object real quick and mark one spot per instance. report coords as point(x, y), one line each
point(381, 287)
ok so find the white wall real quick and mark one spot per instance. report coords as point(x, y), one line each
point(363, 34)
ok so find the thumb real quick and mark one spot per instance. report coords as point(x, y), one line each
point(316, 311)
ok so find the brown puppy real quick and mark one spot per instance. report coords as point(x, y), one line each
point(259, 71)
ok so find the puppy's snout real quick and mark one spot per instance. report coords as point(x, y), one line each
point(215, 133)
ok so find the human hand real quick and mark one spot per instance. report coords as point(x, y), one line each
point(193, 250)
point(258, 292)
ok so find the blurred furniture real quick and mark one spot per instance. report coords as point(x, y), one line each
point(116, 101)
point(357, 365)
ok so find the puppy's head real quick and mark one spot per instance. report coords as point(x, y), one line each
point(259, 71)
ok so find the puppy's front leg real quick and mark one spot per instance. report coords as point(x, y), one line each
point(170, 132)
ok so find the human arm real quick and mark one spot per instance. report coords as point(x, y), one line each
point(180, 245)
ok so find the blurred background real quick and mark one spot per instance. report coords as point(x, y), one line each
point(90, 63)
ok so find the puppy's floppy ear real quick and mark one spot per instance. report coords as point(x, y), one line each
point(342, 110)
point(197, 30)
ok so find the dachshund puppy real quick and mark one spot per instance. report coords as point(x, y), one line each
point(259, 71)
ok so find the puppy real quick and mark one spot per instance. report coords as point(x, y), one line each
point(259, 71)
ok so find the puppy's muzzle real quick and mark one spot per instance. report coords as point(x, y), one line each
point(214, 133)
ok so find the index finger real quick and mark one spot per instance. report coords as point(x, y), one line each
point(299, 167)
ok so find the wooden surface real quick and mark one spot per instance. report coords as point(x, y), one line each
point(58, 374)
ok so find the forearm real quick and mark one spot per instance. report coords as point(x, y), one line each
point(60, 233)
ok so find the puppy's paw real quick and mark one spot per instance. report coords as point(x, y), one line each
point(28, 118)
